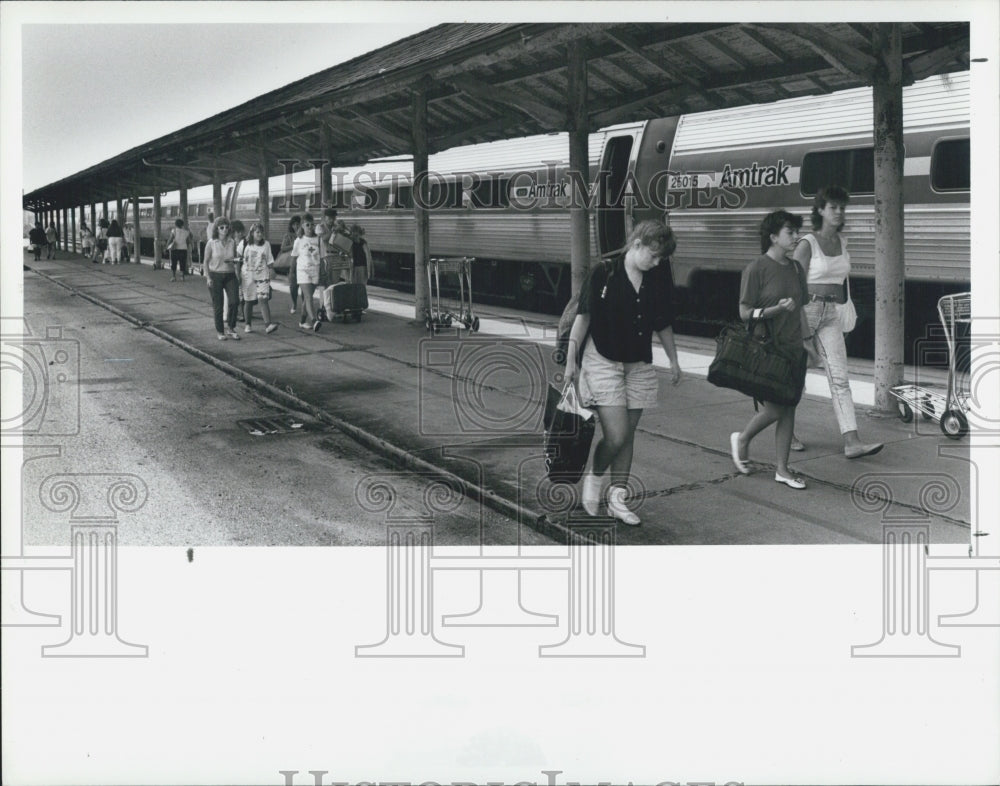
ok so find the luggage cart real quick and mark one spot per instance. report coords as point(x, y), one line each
point(438, 318)
point(949, 409)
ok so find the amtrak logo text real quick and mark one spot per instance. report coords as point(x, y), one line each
point(754, 175)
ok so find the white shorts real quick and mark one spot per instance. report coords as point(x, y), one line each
point(306, 273)
point(610, 383)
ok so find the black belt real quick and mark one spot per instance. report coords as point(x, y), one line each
point(823, 298)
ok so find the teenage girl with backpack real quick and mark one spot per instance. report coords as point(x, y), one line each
point(623, 303)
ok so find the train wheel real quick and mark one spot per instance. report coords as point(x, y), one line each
point(905, 412)
point(953, 424)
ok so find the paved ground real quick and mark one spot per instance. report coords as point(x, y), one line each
point(470, 405)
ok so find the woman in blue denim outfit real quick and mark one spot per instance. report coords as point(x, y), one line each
point(823, 255)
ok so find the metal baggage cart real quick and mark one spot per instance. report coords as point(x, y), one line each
point(440, 318)
point(949, 410)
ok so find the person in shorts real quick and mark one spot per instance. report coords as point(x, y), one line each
point(623, 303)
point(305, 256)
point(256, 262)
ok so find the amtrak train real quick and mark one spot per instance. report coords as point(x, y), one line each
point(711, 176)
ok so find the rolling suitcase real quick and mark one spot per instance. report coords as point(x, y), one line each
point(345, 300)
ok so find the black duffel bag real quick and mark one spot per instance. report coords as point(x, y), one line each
point(755, 366)
point(567, 436)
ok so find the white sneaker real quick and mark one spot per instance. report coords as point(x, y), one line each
point(617, 509)
point(248, 329)
point(590, 495)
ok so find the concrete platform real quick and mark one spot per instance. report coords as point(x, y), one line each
point(471, 405)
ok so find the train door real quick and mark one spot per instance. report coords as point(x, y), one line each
point(612, 228)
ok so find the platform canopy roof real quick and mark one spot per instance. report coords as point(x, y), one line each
point(494, 81)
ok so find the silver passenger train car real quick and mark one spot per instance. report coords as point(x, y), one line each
point(711, 175)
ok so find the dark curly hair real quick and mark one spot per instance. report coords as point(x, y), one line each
point(773, 224)
point(832, 193)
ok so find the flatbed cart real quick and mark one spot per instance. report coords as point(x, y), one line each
point(439, 318)
point(948, 410)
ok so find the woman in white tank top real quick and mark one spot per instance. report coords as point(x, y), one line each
point(823, 255)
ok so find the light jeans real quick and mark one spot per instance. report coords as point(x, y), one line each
point(115, 246)
point(824, 323)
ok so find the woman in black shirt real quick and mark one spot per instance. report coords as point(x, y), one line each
point(622, 304)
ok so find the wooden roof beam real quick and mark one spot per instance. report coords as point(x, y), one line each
point(847, 59)
point(673, 95)
point(929, 63)
point(511, 97)
point(365, 127)
point(629, 44)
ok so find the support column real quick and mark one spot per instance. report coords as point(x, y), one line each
point(578, 125)
point(60, 227)
point(93, 218)
point(136, 234)
point(887, 103)
point(104, 207)
point(183, 206)
point(157, 231)
point(216, 194)
point(120, 211)
point(421, 197)
point(264, 194)
point(72, 229)
point(326, 170)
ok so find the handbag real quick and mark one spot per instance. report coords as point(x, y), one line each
point(569, 430)
point(756, 367)
point(846, 311)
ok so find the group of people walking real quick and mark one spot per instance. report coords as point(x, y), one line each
point(239, 269)
point(109, 243)
point(312, 252)
point(794, 290)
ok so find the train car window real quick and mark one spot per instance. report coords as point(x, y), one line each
point(173, 211)
point(491, 193)
point(203, 209)
point(403, 199)
point(445, 195)
point(382, 198)
point(192, 210)
point(853, 169)
point(256, 206)
point(950, 165)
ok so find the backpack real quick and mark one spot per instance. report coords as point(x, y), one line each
point(569, 317)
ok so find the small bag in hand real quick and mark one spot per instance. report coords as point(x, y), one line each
point(756, 367)
point(846, 311)
point(569, 430)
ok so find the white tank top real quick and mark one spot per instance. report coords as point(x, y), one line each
point(824, 269)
